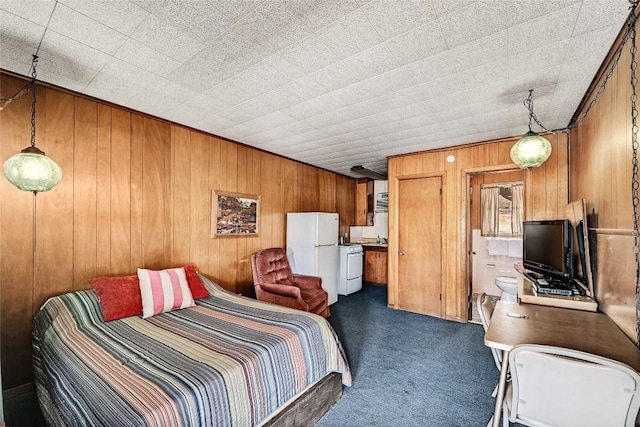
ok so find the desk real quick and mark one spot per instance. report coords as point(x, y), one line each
point(579, 330)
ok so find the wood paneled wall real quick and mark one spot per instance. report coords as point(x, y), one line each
point(546, 196)
point(601, 172)
point(135, 192)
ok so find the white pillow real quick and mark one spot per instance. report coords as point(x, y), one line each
point(163, 291)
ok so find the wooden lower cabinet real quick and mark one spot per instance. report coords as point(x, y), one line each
point(375, 265)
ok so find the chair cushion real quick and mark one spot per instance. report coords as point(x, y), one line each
point(316, 298)
point(271, 266)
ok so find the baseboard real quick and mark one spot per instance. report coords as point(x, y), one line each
point(18, 391)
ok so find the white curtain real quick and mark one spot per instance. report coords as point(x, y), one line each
point(517, 209)
point(489, 198)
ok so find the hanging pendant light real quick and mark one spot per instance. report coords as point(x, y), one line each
point(30, 169)
point(532, 150)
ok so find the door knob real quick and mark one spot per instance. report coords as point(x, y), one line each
point(401, 253)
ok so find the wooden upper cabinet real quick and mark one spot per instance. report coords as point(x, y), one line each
point(364, 202)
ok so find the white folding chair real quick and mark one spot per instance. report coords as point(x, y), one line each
point(485, 309)
point(552, 386)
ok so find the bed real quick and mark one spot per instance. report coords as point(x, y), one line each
point(228, 361)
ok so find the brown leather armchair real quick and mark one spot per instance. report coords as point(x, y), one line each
point(275, 283)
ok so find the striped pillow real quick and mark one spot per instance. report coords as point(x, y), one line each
point(163, 291)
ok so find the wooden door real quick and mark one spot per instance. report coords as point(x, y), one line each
point(420, 245)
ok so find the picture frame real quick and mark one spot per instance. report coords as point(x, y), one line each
point(234, 214)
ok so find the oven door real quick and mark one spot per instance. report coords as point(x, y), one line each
point(354, 265)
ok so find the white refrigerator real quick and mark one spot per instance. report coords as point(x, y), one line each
point(312, 247)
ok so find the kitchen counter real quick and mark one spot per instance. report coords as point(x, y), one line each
point(369, 243)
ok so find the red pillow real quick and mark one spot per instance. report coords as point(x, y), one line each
point(119, 296)
point(195, 283)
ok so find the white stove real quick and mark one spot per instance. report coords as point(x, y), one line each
point(351, 267)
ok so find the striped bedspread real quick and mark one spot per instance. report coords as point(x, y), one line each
point(229, 361)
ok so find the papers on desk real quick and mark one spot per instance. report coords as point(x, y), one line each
point(580, 301)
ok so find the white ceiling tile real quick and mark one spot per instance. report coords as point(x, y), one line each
point(270, 135)
point(149, 5)
point(172, 41)
point(121, 15)
point(597, 14)
point(281, 97)
point(246, 111)
point(475, 21)
point(235, 9)
point(318, 14)
point(479, 52)
point(140, 55)
point(188, 114)
point(432, 68)
point(378, 85)
point(13, 59)
point(371, 62)
point(197, 18)
point(112, 88)
point(77, 26)
point(269, 121)
point(420, 43)
point(538, 80)
point(275, 71)
point(141, 78)
point(298, 127)
point(392, 18)
point(36, 11)
point(20, 39)
point(543, 31)
point(214, 124)
point(62, 56)
point(519, 11)
point(593, 45)
point(277, 25)
point(306, 88)
point(349, 35)
point(336, 76)
point(444, 7)
point(308, 54)
point(233, 52)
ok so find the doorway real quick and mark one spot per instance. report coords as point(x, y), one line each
point(490, 254)
point(420, 245)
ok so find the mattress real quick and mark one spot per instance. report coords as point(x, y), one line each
point(228, 361)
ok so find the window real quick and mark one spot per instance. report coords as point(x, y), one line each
point(502, 209)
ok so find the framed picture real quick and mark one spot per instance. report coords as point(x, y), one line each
point(234, 214)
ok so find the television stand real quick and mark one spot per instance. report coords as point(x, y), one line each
point(576, 302)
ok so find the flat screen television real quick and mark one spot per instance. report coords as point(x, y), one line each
point(548, 248)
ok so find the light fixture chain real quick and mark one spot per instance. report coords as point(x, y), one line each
point(33, 100)
point(532, 116)
point(634, 176)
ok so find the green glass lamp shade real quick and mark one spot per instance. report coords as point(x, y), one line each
point(531, 151)
point(31, 170)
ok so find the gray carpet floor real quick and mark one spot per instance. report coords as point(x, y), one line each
point(409, 369)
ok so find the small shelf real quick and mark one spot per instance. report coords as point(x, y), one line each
point(576, 302)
